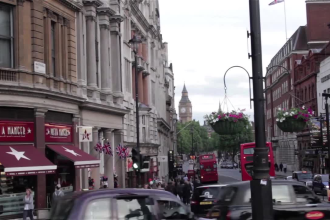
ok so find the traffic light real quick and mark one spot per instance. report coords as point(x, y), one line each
point(136, 158)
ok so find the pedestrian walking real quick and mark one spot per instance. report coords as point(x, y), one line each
point(276, 166)
point(285, 167)
point(28, 205)
point(185, 178)
point(171, 188)
point(58, 193)
point(186, 193)
point(281, 167)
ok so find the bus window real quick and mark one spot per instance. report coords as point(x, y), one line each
point(248, 151)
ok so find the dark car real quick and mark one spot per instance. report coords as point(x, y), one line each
point(120, 204)
point(321, 183)
point(204, 197)
point(305, 177)
point(292, 201)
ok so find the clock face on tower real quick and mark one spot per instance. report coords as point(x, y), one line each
point(183, 110)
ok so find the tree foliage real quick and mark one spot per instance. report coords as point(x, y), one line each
point(203, 143)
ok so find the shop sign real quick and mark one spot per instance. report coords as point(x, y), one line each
point(85, 134)
point(27, 173)
point(11, 131)
point(58, 133)
point(149, 151)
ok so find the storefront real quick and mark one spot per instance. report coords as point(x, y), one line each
point(20, 162)
point(61, 150)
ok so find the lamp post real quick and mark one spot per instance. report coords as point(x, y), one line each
point(261, 189)
point(134, 42)
point(326, 96)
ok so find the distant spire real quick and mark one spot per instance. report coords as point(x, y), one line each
point(184, 88)
point(219, 110)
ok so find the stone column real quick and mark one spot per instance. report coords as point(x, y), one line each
point(91, 51)
point(75, 135)
point(95, 172)
point(104, 14)
point(119, 163)
point(84, 172)
point(40, 145)
point(108, 159)
point(116, 54)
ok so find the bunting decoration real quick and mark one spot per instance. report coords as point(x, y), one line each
point(122, 151)
point(98, 147)
point(107, 149)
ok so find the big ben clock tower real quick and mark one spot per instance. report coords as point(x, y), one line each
point(185, 107)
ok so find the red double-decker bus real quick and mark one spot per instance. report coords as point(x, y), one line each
point(247, 151)
point(208, 169)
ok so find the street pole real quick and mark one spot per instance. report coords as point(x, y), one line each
point(321, 133)
point(137, 116)
point(328, 130)
point(261, 190)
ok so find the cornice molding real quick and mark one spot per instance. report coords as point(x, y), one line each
point(72, 4)
point(139, 15)
point(95, 3)
point(107, 11)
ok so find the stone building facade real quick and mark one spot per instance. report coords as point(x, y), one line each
point(281, 82)
point(65, 64)
point(155, 83)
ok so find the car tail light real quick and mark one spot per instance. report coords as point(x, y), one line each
point(193, 202)
point(228, 216)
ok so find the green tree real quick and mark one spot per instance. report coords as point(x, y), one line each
point(200, 137)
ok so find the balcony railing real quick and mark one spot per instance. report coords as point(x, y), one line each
point(8, 75)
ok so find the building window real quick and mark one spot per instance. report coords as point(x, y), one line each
point(143, 119)
point(128, 75)
point(52, 44)
point(144, 134)
point(6, 36)
point(153, 95)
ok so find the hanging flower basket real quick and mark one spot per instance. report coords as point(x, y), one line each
point(228, 127)
point(291, 124)
point(293, 120)
point(230, 123)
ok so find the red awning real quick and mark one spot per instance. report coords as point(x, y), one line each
point(21, 160)
point(80, 158)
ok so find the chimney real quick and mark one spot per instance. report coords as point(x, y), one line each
point(318, 17)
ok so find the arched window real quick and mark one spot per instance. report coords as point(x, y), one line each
point(306, 94)
point(309, 93)
point(312, 91)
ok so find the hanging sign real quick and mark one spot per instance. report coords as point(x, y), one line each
point(15, 131)
point(58, 133)
point(85, 134)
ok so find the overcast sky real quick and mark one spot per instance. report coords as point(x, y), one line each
point(206, 37)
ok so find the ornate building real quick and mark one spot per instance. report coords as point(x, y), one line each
point(185, 107)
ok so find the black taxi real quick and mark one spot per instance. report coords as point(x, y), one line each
point(292, 201)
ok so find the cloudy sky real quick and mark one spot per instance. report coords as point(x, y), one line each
point(206, 37)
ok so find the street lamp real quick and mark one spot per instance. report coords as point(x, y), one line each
point(134, 42)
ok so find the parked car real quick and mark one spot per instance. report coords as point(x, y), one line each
point(230, 166)
point(321, 183)
point(204, 197)
point(223, 165)
point(305, 177)
point(120, 204)
point(292, 201)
